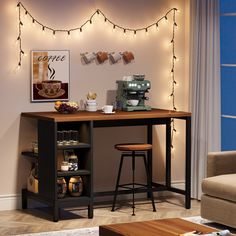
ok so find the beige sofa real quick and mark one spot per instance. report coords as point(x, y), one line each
point(218, 202)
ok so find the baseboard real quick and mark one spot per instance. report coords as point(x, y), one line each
point(10, 202)
point(13, 201)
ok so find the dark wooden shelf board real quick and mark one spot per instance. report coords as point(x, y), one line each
point(79, 145)
point(30, 154)
point(73, 173)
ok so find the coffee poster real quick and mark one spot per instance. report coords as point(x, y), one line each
point(50, 76)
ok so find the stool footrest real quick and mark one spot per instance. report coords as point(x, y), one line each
point(138, 184)
point(129, 154)
point(130, 186)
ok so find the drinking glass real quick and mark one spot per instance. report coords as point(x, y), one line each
point(67, 137)
point(60, 137)
point(75, 136)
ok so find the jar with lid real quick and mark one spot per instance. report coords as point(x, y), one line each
point(35, 147)
point(61, 187)
point(65, 166)
point(73, 163)
point(75, 186)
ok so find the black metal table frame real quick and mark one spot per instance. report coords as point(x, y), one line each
point(149, 123)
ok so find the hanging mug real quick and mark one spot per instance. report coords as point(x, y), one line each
point(88, 57)
point(115, 57)
point(102, 56)
point(128, 56)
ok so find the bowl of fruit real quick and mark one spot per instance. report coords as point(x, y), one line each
point(66, 107)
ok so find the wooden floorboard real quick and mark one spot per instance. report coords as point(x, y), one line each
point(39, 220)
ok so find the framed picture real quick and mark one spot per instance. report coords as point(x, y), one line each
point(50, 75)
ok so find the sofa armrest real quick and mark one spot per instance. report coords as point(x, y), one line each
point(219, 163)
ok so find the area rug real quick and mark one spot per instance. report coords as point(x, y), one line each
point(94, 231)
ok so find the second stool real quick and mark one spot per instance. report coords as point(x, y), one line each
point(133, 150)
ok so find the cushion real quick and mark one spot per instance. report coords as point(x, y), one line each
point(221, 186)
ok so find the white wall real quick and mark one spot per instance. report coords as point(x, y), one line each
point(152, 58)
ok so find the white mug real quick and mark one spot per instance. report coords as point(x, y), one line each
point(107, 109)
point(115, 57)
point(91, 105)
point(88, 57)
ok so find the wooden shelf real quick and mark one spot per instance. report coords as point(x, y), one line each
point(33, 156)
point(73, 173)
point(79, 145)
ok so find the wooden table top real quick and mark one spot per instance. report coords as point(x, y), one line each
point(162, 227)
point(98, 115)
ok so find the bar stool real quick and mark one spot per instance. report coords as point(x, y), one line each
point(134, 150)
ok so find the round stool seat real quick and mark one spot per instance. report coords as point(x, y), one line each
point(133, 146)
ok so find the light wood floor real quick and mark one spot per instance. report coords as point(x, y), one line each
point(38, 220)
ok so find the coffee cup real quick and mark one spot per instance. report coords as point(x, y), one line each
point(102, 56)
point(107, 109)
point(91, 105)
point(88, 57)
point(115, 57)
point(50, 87)
point(133, 102)
point(128, 56)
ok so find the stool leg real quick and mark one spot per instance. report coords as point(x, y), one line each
point(133, 170)
point(117, 183)
point(149, 184)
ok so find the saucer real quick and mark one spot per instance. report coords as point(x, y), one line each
point(108, 113)
point(43, 94)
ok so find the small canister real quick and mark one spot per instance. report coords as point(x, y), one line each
point(65, 166)
point(61, 187)
point(73, 163)
point(75, 186)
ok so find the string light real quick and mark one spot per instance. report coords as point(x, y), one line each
point(173, 80)
point(19, 35)
point(80, 28)
point(115, 26)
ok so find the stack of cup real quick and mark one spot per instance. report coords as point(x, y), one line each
point(91, 105)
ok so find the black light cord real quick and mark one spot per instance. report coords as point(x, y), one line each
point(115, 26)
point(80, 28)
point(173, 81)
point(20, 24)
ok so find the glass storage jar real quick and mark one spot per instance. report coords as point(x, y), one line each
point(75, 186)
point(61, 187)
point(73, 163)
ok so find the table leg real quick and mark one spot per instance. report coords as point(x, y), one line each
point(149, 156)
point(188, 164)
point(168, 154)
point(24, 200)
point(90, 210)
point(55, 212)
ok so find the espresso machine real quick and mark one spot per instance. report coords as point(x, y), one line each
point(130, 91)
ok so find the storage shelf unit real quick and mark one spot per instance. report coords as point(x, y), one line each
point(47, 162)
